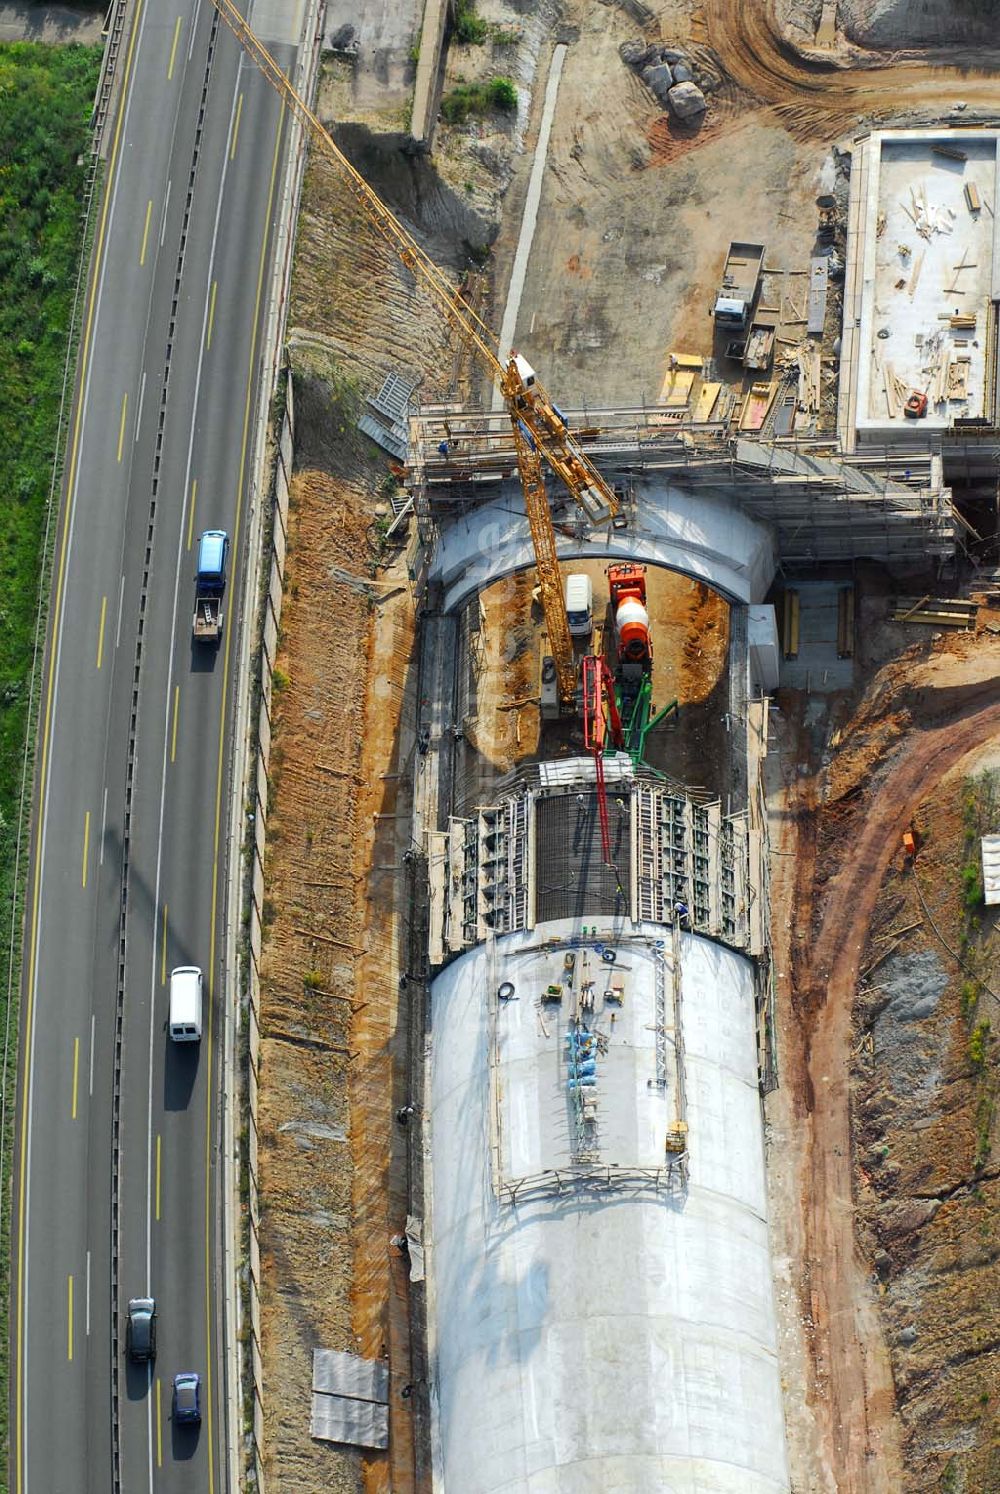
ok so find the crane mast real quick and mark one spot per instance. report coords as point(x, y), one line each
point(539, 429)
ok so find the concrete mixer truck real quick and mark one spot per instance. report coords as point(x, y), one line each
point(633, 671)
point(627, 586)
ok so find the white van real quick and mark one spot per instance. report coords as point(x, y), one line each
point(579, 604)
point(185, 1004)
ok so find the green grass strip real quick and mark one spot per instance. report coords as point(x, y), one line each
point(46, 97)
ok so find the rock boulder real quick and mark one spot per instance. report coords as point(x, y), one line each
point(659, 80)
point(686, 101)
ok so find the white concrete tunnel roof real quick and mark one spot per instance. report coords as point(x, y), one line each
point(598, 1340)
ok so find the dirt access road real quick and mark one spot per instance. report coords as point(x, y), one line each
point(816, 99)
point(851, 1394)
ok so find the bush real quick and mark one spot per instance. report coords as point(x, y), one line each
point(972, 886)
point(478, 98)
point(979, 1044)
point(968, 996)
point(469, 27)
point(457, 105)
point(503, 95)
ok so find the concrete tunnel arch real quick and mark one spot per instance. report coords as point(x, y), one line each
point(705, 535)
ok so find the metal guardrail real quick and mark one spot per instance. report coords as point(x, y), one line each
point(114, 30)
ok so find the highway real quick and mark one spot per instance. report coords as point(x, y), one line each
point(118, 1130)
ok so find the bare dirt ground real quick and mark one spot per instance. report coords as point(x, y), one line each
point(635, 220)
point(636, 216)
point(838, 828)
point(334, 1026)
point(691, 636)
point(896, 23)
point(634, 223)
point(924, 1088)
point(817, 99)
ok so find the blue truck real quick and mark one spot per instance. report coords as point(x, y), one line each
point(210, 585)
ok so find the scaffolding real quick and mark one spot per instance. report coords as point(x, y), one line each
point(886, 502)
point(682, 849)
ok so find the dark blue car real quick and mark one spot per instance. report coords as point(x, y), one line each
point(187, 1399)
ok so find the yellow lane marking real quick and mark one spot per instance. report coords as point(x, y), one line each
point(157, 1177)
point(97, 263)
point(194, 499)
point(163, 954)
point(145, 232)
point(121, 427)
point(173, 734)
point(100, 635)
point(173, 49)
point(76, 1072)
point(69, 1343)
point(236, 127)
point(211, 316)
point(209, 1102)
point(86, 845)
point(159, 1429)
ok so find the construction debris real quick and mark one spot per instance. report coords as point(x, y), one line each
point(927, 219)
point(938, 612)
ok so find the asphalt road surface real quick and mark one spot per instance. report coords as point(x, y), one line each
point(129, 853)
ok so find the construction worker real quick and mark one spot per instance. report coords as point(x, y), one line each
point(681, 914)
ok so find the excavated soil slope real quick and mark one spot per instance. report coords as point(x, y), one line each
point(918, 719)
point(334, 1051)
point(818, 99)
point(924, 1089)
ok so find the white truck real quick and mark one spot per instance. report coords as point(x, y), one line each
point(740, 283)
point(209, 586)
point(579, 597)
point(185, 1004)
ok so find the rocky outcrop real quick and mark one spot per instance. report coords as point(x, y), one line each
point(677, 80)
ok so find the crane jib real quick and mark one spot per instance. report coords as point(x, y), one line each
point(540, 429)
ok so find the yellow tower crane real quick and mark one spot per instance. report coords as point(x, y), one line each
point(539, 429)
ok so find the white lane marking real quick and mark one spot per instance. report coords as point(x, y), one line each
point(104, 825)
point(72, 499)
point(138, 413)
point(93, 1024)
point(121, 599)
point(168, 696)
point(163, 220)
point(194, 28)
point(88, 1293)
